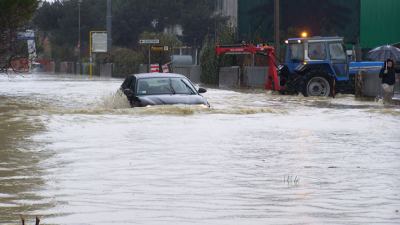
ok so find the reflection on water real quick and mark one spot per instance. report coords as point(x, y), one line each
point(73, 152)
point(20, 172)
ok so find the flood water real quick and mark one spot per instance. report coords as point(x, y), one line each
point(73, 152)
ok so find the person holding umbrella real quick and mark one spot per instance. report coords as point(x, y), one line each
point(388, 76)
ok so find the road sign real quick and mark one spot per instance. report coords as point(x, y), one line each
point(149, 41)
point(158, 48)
point(27, 35)
point(165, 68)
point(99, 41)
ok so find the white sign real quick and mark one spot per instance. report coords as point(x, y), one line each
point(27, 35)
point(99, 42)
point(149, 41)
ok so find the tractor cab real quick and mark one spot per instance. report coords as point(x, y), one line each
point(317, 53)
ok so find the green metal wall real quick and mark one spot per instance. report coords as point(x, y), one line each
point(380, 22)
point(250, 27)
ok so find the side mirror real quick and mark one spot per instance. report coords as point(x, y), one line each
point(128, 92)
point(202, 90)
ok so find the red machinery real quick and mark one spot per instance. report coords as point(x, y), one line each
point(272, 81)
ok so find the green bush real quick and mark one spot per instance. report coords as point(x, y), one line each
point(126, 61)
point(209, 63)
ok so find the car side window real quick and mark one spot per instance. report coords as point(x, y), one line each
point(316, 51)
point(143, 87)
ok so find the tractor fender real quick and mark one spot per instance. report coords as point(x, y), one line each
point(326, 68)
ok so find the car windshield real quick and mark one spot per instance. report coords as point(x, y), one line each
point(164, 86)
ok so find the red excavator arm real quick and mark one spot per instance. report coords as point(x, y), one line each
point(272, 81)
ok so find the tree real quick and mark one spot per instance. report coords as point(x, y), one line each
point(199, 20)
point(59, 22)
point(15, 13)
point(209, 61)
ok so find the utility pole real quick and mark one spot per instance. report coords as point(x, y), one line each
point(109, 25)
point(276, 28)
point(79, 34)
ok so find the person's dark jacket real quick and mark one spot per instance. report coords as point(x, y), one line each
point(389, 77)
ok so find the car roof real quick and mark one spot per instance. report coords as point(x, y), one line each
point(157, 75)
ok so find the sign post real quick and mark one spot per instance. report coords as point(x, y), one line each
point(29, 36)
point(97, 44)
point(149, 42)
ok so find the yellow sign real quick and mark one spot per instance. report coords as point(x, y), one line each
point(158, 48)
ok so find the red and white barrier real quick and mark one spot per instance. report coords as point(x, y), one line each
point(154, 68)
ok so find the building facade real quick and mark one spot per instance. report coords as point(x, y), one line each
point(228, 8)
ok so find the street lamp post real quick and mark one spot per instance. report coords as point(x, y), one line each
point(109, 25)
point(276, 28)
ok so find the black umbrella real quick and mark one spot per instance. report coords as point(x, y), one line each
point(384, 52)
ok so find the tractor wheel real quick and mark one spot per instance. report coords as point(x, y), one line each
point(317, 84)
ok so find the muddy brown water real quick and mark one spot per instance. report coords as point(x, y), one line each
point(73, 152)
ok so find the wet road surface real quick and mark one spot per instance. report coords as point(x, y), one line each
point(73, 152)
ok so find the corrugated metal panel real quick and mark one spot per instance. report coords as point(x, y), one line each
point(380, 22)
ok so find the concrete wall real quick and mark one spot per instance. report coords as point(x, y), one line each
point(371, 84)
point(255, 77)
point(229, 77)
point(397, 85)
point(192, 72)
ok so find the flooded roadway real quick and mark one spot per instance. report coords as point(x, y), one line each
point(74, 153)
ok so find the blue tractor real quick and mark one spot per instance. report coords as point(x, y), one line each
point(320, 66)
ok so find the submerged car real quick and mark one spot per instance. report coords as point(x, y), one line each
point(149, 89)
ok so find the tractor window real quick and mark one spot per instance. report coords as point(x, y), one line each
point(296, 52)
point(316, 51)
point(336, 51)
